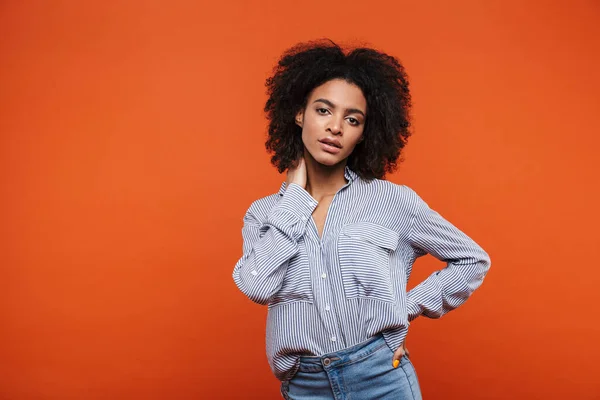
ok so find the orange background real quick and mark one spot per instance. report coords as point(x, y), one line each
point(132, 144)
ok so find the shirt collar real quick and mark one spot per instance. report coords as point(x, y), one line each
point(348, 174)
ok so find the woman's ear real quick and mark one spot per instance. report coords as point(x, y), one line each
point(300, 118)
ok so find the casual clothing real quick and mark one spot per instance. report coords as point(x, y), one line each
point(328, 294)
point(363, 372)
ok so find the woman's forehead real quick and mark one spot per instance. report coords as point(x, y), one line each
point(341, 93)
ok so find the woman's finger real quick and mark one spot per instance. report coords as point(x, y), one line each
point(398, 354)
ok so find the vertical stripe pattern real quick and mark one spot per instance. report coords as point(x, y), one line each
point(328, 293)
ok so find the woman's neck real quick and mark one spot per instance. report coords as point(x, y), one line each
point(322, 180)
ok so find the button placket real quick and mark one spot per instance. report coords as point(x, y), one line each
point(325, 289)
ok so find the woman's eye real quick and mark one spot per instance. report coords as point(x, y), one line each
point(322, 110)
point(353, 121)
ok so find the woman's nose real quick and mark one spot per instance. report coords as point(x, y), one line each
point(335, 125)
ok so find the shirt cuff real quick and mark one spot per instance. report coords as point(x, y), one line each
point(293, 211)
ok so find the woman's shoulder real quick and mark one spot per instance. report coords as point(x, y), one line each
point(260, 208)
point(398, 191)
point(396, 200)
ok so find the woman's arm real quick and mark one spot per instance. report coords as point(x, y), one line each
point(467, 264)
point(268, 247)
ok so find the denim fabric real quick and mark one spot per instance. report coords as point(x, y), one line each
point(361, 372)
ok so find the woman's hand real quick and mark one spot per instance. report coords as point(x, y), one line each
point(398, 355)
point(297, 174)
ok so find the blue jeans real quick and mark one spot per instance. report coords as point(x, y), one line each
point(361, 372)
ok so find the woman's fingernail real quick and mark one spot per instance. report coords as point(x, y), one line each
point(396, 363)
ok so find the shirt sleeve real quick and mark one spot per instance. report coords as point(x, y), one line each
point(267, 247)
point(467, 264)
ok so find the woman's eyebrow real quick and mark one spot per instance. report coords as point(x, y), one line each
point(348, 110)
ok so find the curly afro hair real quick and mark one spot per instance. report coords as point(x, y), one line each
point(383, 82)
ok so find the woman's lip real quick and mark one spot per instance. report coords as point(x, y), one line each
point(329, 148)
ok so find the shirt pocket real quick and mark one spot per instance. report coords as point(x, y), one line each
point(365, 251)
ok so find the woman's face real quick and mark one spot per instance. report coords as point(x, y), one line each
point(333, 121)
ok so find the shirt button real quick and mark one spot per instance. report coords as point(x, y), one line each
point(327, 308)
point(254, 273)
point(323, 275)
point(304, 218)
point(333, 339)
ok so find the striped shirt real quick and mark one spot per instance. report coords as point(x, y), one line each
point(328, 293)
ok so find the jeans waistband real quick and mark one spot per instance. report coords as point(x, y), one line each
point(346, 356)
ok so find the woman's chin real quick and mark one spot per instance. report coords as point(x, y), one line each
point(329, 161)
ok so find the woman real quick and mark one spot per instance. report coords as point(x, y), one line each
point(330, 254)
